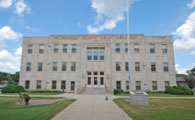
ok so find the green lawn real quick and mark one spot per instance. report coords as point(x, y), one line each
point(159, 109)
point(161, 95)
point(30, 93)
point(10, 111)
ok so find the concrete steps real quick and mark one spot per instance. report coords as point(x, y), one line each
point(94, 91)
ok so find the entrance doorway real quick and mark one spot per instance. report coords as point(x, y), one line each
point(72, 86)
point(95, 79)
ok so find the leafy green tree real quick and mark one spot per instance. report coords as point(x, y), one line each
point(190, 78)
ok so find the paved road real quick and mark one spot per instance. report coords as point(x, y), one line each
point(91, 107)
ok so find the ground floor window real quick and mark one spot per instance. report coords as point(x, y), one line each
point(118, 84)
point(63, 84)
point(38, 84)
point(53, 84)
point(27, 84)
point(127, 85)
point(138, 85)
point(167, 84)
point(154, 85)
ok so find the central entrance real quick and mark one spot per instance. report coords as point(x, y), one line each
point(95, 79)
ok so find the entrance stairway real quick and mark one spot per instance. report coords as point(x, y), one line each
point(94, 91)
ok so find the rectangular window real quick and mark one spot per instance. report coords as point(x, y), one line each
point(56, 47)
point(101, 53)
point(117, 48)
point(154, 85)
point(164, 48)
point(101, 73)
point(95, 73)
point(40, 66)
point(118, 84)
point(95, 57)
point(27, 84)
point(63, 85)
point(88, 73)
point(89, 80)
point(65, 48)
point(74, 48)
point(30, 48)
point(126, 48)
point(101, 80)
point(118, 66)
point(138, 85)
point(126, 66)
point(127, 85)
point(64, 66)
point(167, 84)
point(38, 84)
point(73, 66)
point(137, 66)
point(89, 53)
point(153, 67)
point(136, 48)
point(95, 81)
point(54, 84)
point(28, 66)
point(41, 48)
point(152, 48)
point(55, 66)
point(165, 66)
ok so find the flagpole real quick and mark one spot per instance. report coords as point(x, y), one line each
point(129, 54)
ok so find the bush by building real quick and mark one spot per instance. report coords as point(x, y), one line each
point(179, 90)
point(120, 91)
point(45, 91)
point(12, 89)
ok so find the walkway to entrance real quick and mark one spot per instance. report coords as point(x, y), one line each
point(91, 107)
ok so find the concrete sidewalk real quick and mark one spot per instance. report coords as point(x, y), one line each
point(91, 107)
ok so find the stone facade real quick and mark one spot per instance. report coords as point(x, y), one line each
point(76, 62)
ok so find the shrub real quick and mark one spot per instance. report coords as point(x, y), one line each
point(118, 91)
point(179, 90)
point(45, 91)
point(12, 89)
point(155, 92)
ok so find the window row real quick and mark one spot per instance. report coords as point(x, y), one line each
point(55, 48)
point(138, 67)
point(95, 53)
point(54, 66)
point(137, 48)
point(139, 87)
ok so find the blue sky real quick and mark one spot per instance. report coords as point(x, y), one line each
point(19, 18)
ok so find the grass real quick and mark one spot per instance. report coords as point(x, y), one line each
point(10, 111)
point(160, 95)
point(159, 109)
point(30, 93)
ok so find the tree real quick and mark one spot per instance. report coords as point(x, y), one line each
point(190, 78)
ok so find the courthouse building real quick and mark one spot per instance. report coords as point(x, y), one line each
point(78, 62)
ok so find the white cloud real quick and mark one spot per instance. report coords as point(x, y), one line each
point(21, 7)
point(6, 33)
point(192, 53)
point(10, 62)
point(109, 13)
point(180, 70)
point(5, 3)
point(186, 34)
point(191, 5)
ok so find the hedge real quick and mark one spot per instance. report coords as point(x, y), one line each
point(12, 89)
point(179, 90)
point(45, 91)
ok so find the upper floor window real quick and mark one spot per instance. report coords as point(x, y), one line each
point(56, 47)
point(117, 48)
point(136, 47)
point(137, 66)
point(152, 48)
point(74, 48)
point(41, 48)
point(164, 48)
point(153, 66)
point(64, 48)
point(126, 48)
point(126, 66)
point(64, 66)
point(95, 57)
point(101, 53)
point(28, 66)
point(40, 66)
point(165, 66)
point(30, 48)
point(55, 66)
point(89, 53)
point(118, 66)
point(73, 66)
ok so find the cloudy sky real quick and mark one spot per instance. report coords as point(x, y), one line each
point(19, 18)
